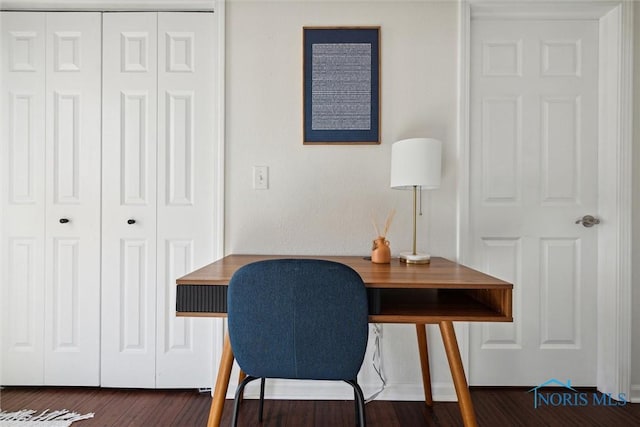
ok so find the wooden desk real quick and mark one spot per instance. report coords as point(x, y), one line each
point(440, 292)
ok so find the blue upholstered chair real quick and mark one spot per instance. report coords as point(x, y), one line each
point(298, 319)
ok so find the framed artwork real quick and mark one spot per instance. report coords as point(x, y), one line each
point(341, 79)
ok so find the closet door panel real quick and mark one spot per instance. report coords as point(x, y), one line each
point(185, 189)
point(72, 282)
point(22, 166)
point(129, 156)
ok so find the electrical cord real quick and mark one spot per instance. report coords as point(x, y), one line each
point(377, 361)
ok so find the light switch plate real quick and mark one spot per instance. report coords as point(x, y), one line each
point(260, 177)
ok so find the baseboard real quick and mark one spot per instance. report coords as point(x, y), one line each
point(336, 390)
point(635, 393)
point(441, 392)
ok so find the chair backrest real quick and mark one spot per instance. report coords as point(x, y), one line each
point(298, 318)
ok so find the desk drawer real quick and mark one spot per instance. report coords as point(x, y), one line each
point(213, 299)
point(201, 299)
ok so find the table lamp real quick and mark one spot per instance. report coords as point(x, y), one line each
point(416, 164)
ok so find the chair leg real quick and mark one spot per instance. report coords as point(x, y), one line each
point(361, 419)
point(356, 407)
point(238, 398)
point(261, 399)
point(241, 377)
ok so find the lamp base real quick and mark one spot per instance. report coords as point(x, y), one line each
point(411, 258)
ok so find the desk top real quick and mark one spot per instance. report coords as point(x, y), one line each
point(439, 274)
point(398, 292)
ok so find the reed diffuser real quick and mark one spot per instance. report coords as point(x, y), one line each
point(380, 252)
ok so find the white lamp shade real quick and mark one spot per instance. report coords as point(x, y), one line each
point(416, 162)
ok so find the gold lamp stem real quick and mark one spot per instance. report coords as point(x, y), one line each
point(415, 208)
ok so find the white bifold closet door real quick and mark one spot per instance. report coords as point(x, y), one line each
point(50, 181)
point(158, 195)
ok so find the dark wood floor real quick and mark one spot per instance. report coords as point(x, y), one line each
point(150, 408)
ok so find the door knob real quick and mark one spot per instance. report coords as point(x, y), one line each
point(588, 221)
point(63, 220)
point(131, 221)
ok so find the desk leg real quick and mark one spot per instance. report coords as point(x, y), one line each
point(222, 383)
point(457, 372)
point(421, 332)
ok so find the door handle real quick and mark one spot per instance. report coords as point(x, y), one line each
point(588, 221)
point(131, 221)
point(64, 220)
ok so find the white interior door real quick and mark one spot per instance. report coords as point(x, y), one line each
point(23, 196)
point(533, 155)
point(129, 153)
point(186, 159)
point(72, 253)
point(158, 153)
point(50, 166)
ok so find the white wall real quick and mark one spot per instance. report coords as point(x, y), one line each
point(321, 198)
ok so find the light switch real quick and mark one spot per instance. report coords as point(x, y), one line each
point(260, 177)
